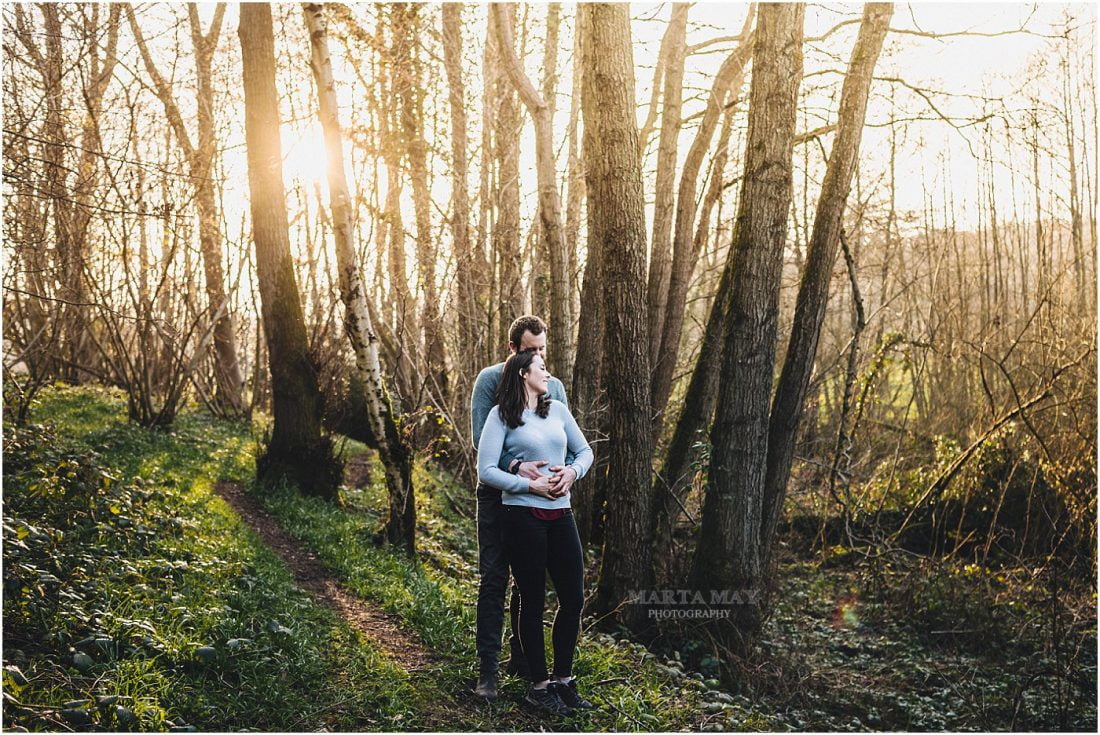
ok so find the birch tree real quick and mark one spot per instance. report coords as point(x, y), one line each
point(397, 460)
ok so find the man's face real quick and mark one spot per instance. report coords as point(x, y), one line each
point(533, 343)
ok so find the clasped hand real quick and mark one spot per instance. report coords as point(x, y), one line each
point(553, 486)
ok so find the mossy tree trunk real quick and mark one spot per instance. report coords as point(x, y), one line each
point(727, 557)
point(617, 227)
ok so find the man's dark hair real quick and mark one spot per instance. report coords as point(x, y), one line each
point(527, 323)
point(512, 393)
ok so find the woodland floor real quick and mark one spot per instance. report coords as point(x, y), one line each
point(200, 605)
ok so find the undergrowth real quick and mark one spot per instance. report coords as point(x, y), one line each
point(435, 595)
point(134, 599)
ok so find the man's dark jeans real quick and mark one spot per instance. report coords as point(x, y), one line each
point(492, 564)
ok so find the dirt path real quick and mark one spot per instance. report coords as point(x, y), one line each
point(405, 649)
point(318, 580)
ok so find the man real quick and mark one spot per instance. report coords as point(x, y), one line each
point(527, 334)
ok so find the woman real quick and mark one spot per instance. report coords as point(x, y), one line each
point(540, 534)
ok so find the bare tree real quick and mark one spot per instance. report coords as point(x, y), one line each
point(200, 158)
point(296, 452)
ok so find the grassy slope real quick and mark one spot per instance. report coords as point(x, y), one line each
point(140, 572)
point(435, 596)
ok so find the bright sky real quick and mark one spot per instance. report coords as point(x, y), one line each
point(962, 65)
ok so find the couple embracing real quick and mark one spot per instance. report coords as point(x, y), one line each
point(530, 451)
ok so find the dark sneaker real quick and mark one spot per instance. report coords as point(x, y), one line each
point(567, 693)
point(548, 701)
point(486, 686)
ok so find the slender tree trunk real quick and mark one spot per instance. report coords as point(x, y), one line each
point(674, 47)
point(1076, 231)
point(401, 308)
point(52, 65)
point(550, 225)
point(488, 319)
point(409, 88)
point(296, 451)
point(465, 264)
point(728, 553)
point(671, 485)
point(714, 188)
point(813, 293)
point(576, 191)
point(728, 81)
point(506, 126)
point(617, 224)
point(585, 397)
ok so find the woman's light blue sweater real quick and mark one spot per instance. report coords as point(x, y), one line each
point(548, 438)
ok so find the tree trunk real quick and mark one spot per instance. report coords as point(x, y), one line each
point(728, 553)
point(396, 458)
point(673, 48)
point(585, 397)
point(575, 195)
point(409, 89)
point(52, 65)
point(729, 80)
point(466, 266)
point(617, 226)
point(401, 310)
point(813, 293)
point(671, 485)
point(550, 224)
point(506, 128)
point(296, 451)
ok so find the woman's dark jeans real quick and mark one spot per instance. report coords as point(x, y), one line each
point(535, 547)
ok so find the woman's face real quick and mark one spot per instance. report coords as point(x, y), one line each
point(537, 379)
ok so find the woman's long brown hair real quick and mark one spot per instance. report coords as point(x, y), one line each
point(512, 391)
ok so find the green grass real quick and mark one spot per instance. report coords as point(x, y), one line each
point(117, 550)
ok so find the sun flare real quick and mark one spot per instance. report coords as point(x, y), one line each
point(304, 155)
